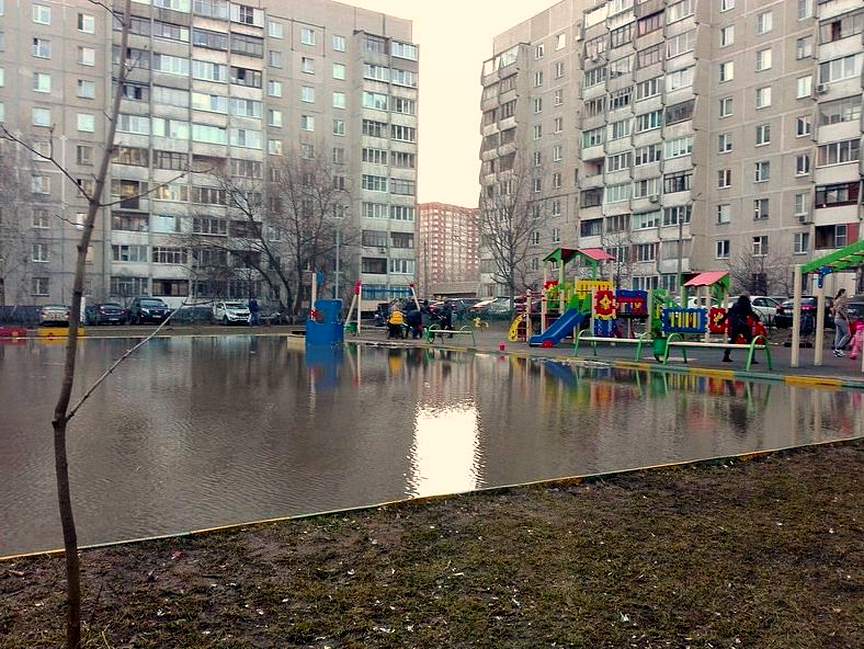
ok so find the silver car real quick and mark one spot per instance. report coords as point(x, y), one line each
point(54, 314)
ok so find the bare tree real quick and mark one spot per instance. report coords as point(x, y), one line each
point(761, 274)
point(13, 238)
point(618, 242)
point(276, 231)
point(505, 220)
point(62, 413)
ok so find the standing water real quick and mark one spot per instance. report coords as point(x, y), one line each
point(191, 433)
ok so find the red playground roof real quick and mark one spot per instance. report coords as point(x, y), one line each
point(597, 254)
point(707, 278)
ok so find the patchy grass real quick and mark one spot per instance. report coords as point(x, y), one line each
point(767, 553)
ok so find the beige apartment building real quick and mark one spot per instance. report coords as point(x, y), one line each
point(682, 135)
point(239, 88)
point(448, 245)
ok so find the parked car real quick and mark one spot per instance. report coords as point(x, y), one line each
point(855, 307)
point(54, 314)
point(104, 313)
point(765, 306)
point(479, 309)
point(145, 310)
point(231, 313)
point(809, 304)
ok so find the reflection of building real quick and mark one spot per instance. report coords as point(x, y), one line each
point(448, 245)
point(214, 85)
point(682, 134)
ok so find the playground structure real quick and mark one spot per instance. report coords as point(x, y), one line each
point(590, 309)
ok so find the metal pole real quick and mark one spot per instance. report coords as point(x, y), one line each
point(336, 284)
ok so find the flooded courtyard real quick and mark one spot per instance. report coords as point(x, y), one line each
point(196, 432)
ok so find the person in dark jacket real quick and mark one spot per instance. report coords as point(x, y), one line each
point(739, 325)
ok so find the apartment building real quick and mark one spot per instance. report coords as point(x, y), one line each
point(682, 135)
point(448, 245)
point(216, 89)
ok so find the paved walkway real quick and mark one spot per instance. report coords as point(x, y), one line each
point(833, 372)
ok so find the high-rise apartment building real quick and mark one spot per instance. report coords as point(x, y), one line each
point(217, 91)
point(448, 245)
point(682, 135)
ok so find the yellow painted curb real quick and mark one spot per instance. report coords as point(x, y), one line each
point(720, 374)
point(821, 381)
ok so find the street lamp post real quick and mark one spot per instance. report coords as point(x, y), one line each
point(336, 283)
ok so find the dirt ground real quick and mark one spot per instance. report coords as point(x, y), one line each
point(766, 553)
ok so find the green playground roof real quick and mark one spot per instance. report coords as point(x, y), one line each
point(592, 255)
point(852, 256)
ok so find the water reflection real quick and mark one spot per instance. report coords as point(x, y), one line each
point(197, 432)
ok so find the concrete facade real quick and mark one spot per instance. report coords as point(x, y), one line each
point(213, 85)
point(448, 245)
point(684, 135)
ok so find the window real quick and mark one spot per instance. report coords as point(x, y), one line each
point(838, 69)
point(619, 161)
point(801, 243)
point(802, 204)
point(763, 134)
point(803, 87)
point(176, 65)
point(646, 252)
point(274, 147)
point(307, 94)
point(649, 56)
point(647, 154)
point(620, 129)
point(763, 60)
point(338, 127)
point(559, 124)
point(649, 24)
point(677, 182)
point(274, 118)
point(722, 249)
point(764, 22)
point(559, 69)
point(838, 152)
point(41, 82)
point(802, 164)
point(680, 44)
point(274, 59)
point(556, 180)
point(41, 117)
point(557, 154)
point(86, 23)
point(41, 14)
point(374, 129)
point(620, 67)
point(538, 105)
point(802, 125)
point(41, 219)
point(649, 121)
point(339, 71)
point(40, 252)
point(307, 65)
point(339, 99)
point(724, 178)
point(724, 142)
point(763, 97)
point(42, 48)
point(618, 193)
point(86, 89)
point(680, 10)
point(727, 71)
point(724, 213)
point(170, 32)
point(677, 147)
point(760, 246)
point(84, 155)
point(840, 110)
point(539, 51)
point(679, 79)
point(646, 220)
point(680, 112)
point(649, 88)
point(40, 184)
point(307, 151)
point(40, 286)
point(538, 78)
point(594, 76)
point(537, 157)
point(649, 187)
point(274, 88)
point(538, 131)
point(805, 9)
point(307, 123)
point(762, 171)
point(537, 185)
point(841, 27)
point(307, 36)
point(760, 208)
point(726, 106)
point(836, 195)
point(559, 97)
point(87, 56)
point(804, 47)
point(727, 36)
point(339, 43)
point(621, 36)
point(403, 133)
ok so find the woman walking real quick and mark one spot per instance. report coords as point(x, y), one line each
point(841, 323)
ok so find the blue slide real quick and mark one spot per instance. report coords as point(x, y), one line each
point(563, 326)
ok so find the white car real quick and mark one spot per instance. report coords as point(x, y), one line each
point(765, 306)
point(231, 313)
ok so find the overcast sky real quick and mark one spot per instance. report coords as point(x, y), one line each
point(455, 37)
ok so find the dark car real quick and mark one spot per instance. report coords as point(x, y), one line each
point(104, 313)
point(809, 304)
point(145, 310)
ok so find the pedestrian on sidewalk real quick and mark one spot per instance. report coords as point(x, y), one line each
point(841, 323)
point(738, 324)
point(254, 310)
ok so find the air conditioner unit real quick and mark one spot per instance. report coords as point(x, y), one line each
point(804, 218)
point(382, 250)
point(654, 198)
point(821, 88)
